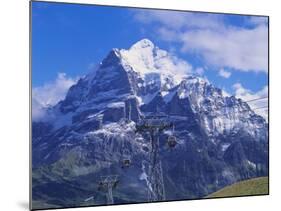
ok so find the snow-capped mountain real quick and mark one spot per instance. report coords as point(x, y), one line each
point(139, 75)
point(221, 140)
point(216, 113)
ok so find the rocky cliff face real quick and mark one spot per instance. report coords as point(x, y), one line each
point(89, 133)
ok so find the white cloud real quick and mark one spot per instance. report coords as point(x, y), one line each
point(238, 48)
point(52, 92)
point(258, 20)
point(178, 20)
point(259, 106)
point(208, 35)
point(199, 70)
point(38, 111)
point(223, 73)
point(167, 34)
point(49, 94)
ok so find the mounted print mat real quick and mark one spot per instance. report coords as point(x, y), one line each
point(134, 105)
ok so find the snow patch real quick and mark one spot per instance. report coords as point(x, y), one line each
point(116, 105)
point(147, 98)
point(168, 96)
point(145, 58)
point(253, 165)
point(89, 199)
point(224, 146)
point(144, 176)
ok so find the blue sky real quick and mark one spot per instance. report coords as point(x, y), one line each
point(70, 39)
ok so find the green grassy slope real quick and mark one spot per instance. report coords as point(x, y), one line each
point(256, 186)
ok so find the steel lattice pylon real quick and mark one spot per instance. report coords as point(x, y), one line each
point(154, 125)
point(107, 184)
point(155, 173)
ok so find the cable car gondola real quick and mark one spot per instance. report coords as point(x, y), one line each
point(126, 163)
point(172, 141)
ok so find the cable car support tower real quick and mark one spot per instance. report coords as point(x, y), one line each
point(154, 126)
point(107, 184)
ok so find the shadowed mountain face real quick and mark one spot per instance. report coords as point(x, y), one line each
point(88, 134)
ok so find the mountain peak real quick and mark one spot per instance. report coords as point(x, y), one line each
point(144, 43)
point(192, 79)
